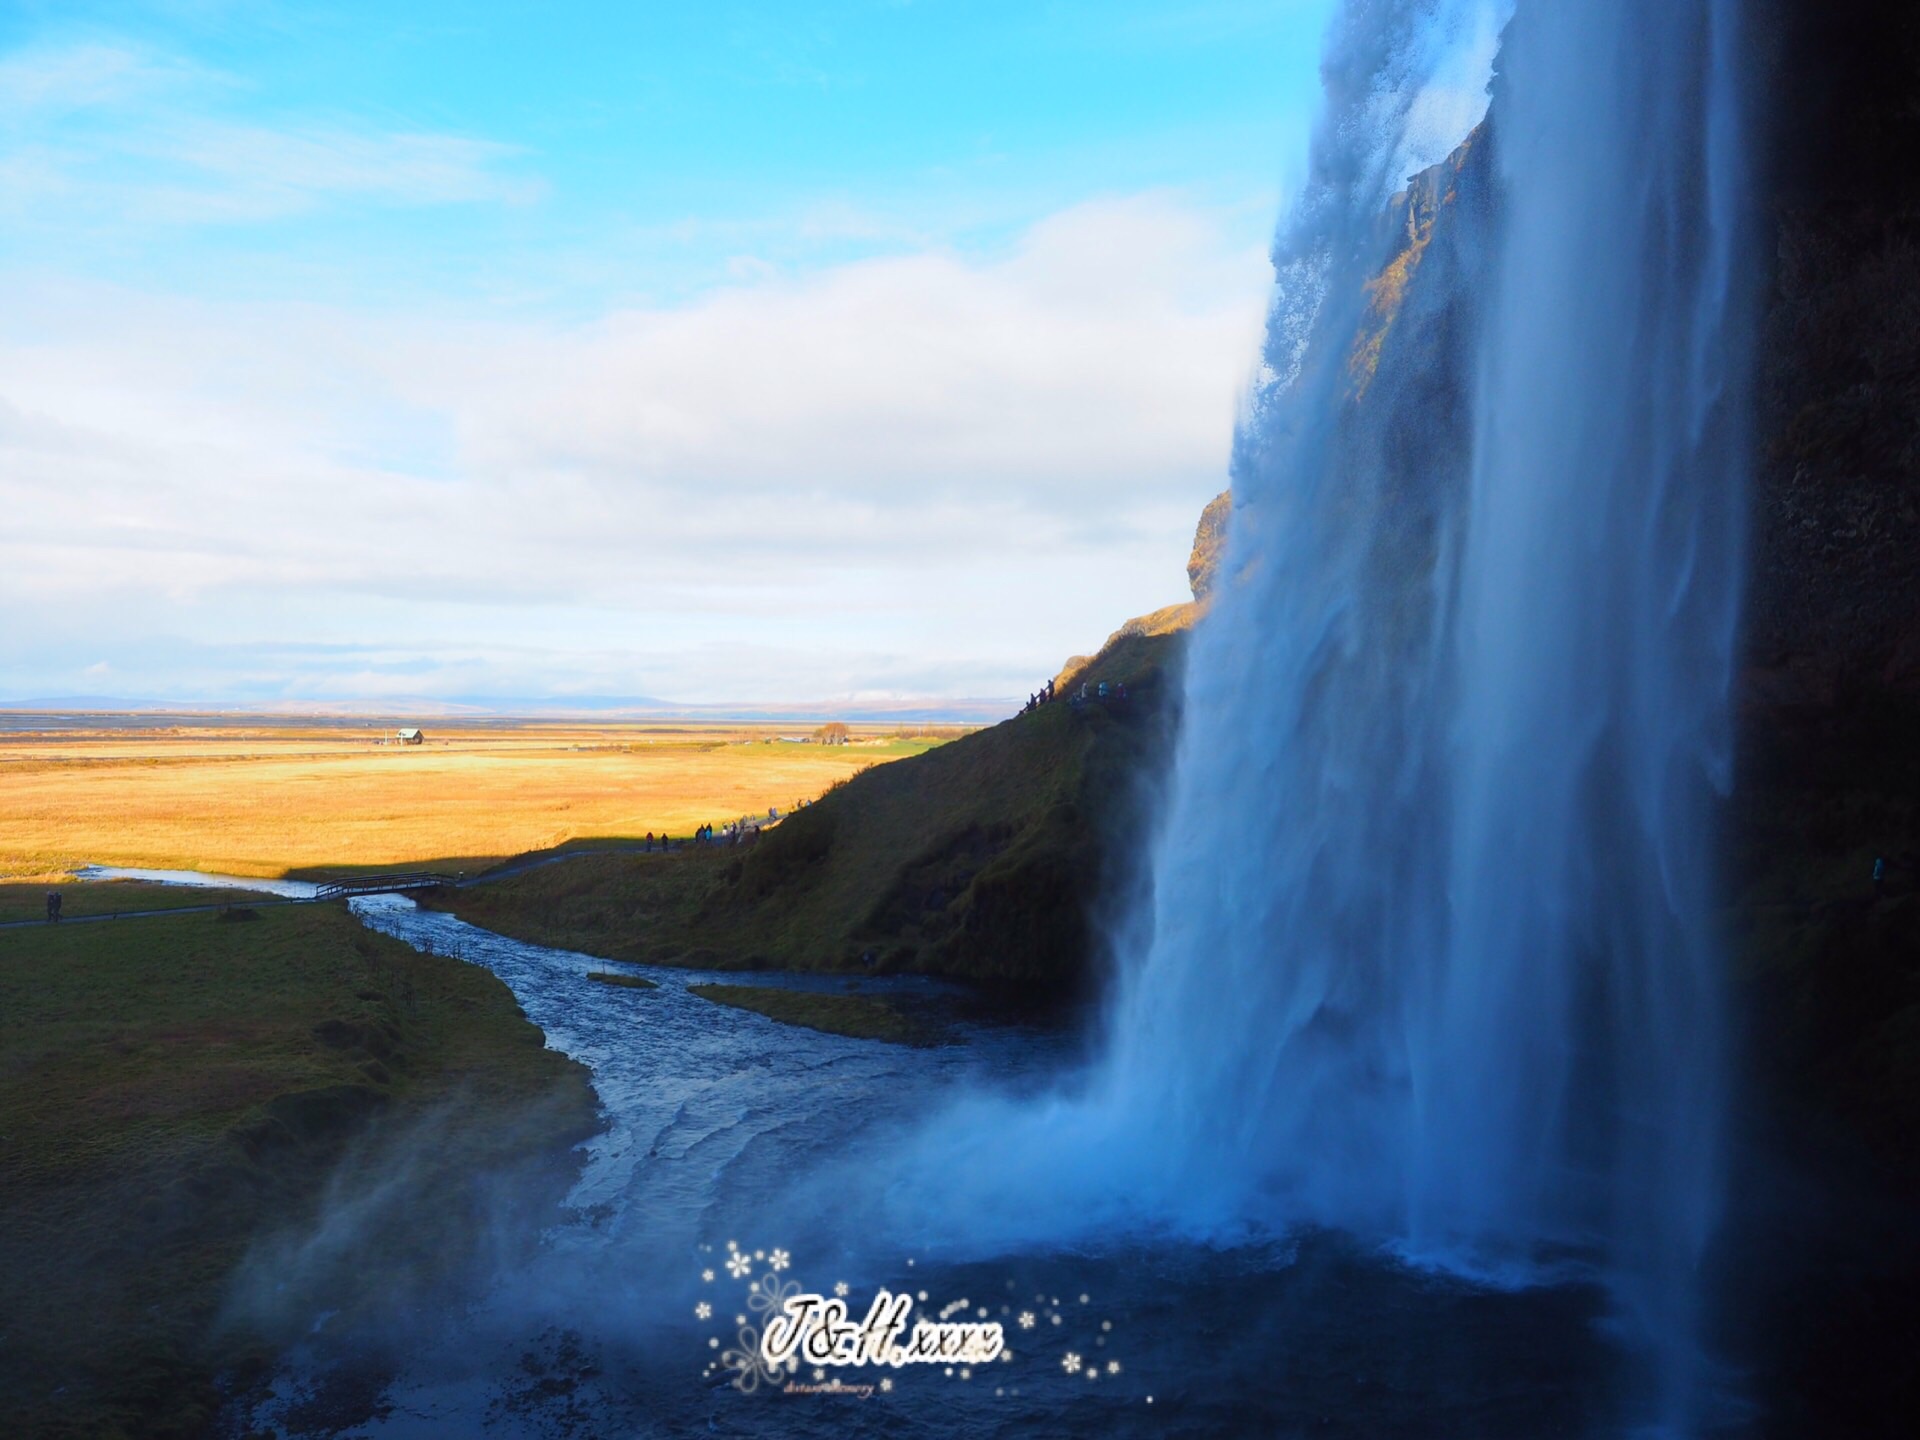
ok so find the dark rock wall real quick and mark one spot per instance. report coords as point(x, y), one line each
point(1835, 581)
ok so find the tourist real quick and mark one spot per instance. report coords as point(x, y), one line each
point(53, 905)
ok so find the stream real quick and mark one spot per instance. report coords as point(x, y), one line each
point(723, 1129)
point(202, 880)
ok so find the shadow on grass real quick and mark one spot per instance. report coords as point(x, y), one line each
point(857, 1016)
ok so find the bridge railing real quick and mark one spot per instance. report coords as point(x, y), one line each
point(381, 884)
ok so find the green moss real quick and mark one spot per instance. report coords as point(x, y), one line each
point(858, 1016)
point(174, 1090)
point(629, 982)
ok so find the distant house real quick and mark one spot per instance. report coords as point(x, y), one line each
point(410, 737)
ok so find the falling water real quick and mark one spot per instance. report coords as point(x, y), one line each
point(1426, 950)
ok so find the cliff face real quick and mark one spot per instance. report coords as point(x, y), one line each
point(1827, 957)
point(1209, 546)
point(1429, 206)
point(1835, 600)
point(1404, 403)
point(1829, 783)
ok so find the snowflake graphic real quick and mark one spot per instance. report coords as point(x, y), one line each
point(779, 1260)
point(750, 1369)
point(707, 1276)
point(770, 1296)
point(1070, 1363)
point(840, 1288)
point(1026, 1320)
point(886, 1384)
point(739, 1266)
point(703, 1311)
point(1113, 1367)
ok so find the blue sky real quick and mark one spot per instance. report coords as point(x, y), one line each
point(721, 352)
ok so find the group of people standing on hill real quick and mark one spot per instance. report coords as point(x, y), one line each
point(733, 833)
point(1108, 693)
point(1042, 696)
point(736, 832)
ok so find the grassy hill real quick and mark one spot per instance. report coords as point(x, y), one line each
point(984, 859)
point(176, 1093)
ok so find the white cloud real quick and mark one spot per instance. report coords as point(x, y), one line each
point(1099, 356)
point(58, 80)
point(108, 134)
point(929, 470)
point(244, 172)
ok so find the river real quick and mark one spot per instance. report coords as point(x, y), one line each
point(725, 1128)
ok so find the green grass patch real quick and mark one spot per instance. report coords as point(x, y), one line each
point(28, 900)
point(176, 1090)
point(626, 982)
point(859, 1016)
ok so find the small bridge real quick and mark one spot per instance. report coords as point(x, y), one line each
point(381, 885)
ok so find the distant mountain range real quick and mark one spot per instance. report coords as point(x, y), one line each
point(574, 707)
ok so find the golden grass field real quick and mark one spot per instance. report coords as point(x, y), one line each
point(278, 799)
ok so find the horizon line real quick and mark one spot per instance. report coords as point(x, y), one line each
point(919, 709)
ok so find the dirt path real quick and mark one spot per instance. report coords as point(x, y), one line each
point(140, 914)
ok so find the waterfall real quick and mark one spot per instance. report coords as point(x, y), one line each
point(1426, 952)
